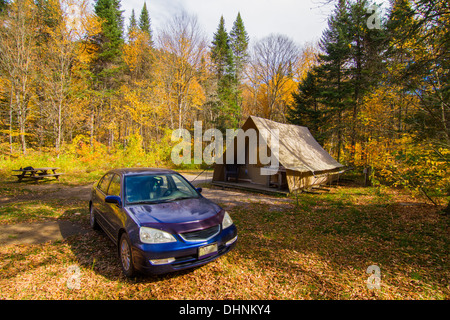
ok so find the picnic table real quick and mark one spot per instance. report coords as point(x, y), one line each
point(37, 173)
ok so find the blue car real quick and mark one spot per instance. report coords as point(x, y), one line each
point(159, 221)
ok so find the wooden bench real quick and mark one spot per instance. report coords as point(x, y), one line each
point(42, 176)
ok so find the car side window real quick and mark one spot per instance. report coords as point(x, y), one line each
point(104, 183)
point(182, 185)
point(114, 187)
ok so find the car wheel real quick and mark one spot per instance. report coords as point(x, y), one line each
point(92, 219)
point(126, 257)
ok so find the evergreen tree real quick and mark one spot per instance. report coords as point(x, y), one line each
point(222, 58)
point(132, 27)
point(119, 15)
point(365, 62)
point(336, 45)
point(137, 54)
point(239, 40)
point(111, 36)
point(49, 16)
point(221, 54)
point(144, 20)
point(333, 75)
point(305, 110)
point(239, 46)
point(110, 40)
point(3, 4)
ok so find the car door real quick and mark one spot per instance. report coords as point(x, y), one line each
point(114, 213)
point(99, 201)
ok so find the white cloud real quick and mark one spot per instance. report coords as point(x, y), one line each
point(300, 20)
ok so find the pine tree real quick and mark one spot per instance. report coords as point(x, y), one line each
point(333, 74)
point(144, 20)
point(365, 62)
point(132, 27)
point(3, 4)
point(222, 58)
point(111, 37)
point(110, 40)
point(239, 40)
point(137, 53)
point(305, 110)
point(239, 46)
point(221, 54)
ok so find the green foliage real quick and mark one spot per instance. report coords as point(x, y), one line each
point(133, 26)
point(332, 82)
point(111, 37)
point(373, 97)
point(222, 57)
point(419, 167)
point(426, 36)
point(305, 110)
point(109, 41)
point(3, 4)
point(84, 160)
point(144, 20)
point(239, 40)
point(221, 54)
point(379, 97)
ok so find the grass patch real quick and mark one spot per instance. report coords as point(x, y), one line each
point(27, 211)
point(36, 210)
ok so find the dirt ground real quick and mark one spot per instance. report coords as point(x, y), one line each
point(40, 232)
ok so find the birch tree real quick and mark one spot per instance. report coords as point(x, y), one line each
point(272, 66)
point(17, 57)
point(185, 46)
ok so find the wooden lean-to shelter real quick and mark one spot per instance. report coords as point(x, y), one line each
point(302, 162)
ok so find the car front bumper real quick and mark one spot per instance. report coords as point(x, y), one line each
point(185, 253)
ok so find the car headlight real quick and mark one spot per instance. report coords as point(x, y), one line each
point(226, 222)
point(150, 235)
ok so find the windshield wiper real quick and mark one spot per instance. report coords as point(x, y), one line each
point(147, 202)
point(182, 198)
point(160, 201)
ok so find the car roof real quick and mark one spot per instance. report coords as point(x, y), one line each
point(133, 171)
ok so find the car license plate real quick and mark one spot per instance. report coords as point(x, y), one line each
point(207, 250)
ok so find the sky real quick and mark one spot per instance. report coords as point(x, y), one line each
point(301, 20)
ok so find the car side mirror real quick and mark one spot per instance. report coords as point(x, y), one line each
point(199, 190)
point(113, 199)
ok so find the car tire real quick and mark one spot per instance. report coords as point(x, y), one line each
point(92, 219)
point(126, 256)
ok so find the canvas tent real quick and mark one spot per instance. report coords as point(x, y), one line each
point(302, 162)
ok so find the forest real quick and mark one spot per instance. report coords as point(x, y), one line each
point(81, 84)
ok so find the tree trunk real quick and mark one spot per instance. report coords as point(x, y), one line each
point(58, 129)
point(11, 120)
point(91, 139)
point(22, 134)
point(21, 122)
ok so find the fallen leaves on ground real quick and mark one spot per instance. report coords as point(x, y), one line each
point(319, 249)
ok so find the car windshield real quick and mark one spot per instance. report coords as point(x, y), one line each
point(157, 188)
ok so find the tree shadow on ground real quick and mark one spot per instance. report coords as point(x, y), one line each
point(96, 251)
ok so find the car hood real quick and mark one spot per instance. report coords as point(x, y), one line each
point(178, 216)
